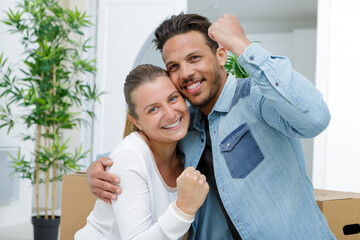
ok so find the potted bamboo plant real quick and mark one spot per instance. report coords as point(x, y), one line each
point(48, 85)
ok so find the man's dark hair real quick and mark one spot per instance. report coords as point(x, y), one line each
point(183, 23)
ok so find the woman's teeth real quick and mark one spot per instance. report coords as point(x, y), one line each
point(172, 125)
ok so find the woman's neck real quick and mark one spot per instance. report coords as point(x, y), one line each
point(167, 160)
point(164, 154)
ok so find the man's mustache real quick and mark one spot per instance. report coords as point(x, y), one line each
point(192, 79)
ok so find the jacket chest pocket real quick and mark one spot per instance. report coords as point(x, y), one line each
point(241, 152)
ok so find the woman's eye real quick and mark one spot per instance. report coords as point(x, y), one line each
point(173, 99)
point(153, 109)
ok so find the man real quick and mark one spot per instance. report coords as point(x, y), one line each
point(244, 134)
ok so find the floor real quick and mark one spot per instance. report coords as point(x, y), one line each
point(17, 232)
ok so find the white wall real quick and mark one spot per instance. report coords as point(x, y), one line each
point(336, 159)
point(18, 211)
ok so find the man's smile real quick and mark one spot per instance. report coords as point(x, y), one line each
point(193, 86)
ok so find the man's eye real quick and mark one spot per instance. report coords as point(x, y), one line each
point(194, 57)
point(172, 67)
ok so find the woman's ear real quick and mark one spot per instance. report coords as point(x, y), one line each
point(221, 55)
point(135, 122)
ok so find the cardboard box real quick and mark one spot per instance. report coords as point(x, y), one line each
point(76, 204)
point(342, 212)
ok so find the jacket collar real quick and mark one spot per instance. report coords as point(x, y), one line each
point(224, 102)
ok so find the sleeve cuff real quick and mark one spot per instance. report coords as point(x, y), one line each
point(174, 223)
point(253, 57)
point(180, 213)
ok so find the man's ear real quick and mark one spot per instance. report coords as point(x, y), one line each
point(221, 55)
point(134, 121)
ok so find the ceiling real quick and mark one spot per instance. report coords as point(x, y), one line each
point(261, 11)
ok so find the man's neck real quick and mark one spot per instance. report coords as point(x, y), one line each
point(208, 108)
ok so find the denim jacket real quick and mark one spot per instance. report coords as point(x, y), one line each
point(259, 164)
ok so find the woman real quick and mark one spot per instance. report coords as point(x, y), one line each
point(159, 198)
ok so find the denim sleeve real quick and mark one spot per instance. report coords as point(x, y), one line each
point(286, 100)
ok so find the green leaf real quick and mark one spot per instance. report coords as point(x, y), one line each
point(232, 66)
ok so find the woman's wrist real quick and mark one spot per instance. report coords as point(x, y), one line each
point(181, 213)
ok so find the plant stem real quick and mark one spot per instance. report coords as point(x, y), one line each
point(53, 192)
point(37, 169)
point(54, 163)
point(47, 173)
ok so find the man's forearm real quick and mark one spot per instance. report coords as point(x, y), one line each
point(286, 94)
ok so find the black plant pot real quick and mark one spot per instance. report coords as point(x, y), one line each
point(45, 229)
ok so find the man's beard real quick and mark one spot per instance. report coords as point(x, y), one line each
point(213, 91)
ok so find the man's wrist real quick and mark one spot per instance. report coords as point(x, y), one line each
point(240, 47)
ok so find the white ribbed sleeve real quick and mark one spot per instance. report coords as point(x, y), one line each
point(145, 209)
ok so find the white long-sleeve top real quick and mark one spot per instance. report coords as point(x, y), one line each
point(146, 207)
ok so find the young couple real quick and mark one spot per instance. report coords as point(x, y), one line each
point(242, 135)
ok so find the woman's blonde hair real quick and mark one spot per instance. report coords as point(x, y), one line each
point(137, 77)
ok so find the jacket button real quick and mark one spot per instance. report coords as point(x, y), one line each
point(228, 144)
point(202, 140)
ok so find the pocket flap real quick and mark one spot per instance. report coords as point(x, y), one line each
point(233, 138)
